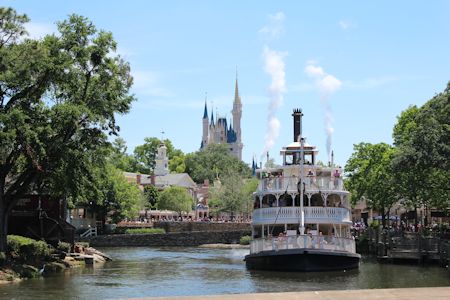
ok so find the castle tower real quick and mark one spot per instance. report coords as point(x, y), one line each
point(237, 115)
point(218, 131)
point(161, 161)
point(205, 128)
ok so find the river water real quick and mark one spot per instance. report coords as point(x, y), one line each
point(146, 272)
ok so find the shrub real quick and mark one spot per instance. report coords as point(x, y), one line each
point(2, 258)
point(245, 240)
point(144, 230)
point(63, 246)
point(83, 244)
point(26, 248)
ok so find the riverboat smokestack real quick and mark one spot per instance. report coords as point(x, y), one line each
point(297, 114)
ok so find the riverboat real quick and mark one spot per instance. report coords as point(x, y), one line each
point(301, 219)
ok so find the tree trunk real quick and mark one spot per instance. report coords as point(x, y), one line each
point(3, 225)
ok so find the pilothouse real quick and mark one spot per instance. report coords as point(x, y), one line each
point(301, 219)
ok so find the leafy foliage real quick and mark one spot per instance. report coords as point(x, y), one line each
point(59, 98)
point(232, 195)
point(145, 154)
point(213, 162)
point(26, 248)
point(119, 199)
point(415, 171)
point(145, 231)
point(421, 161)
point(245, 240)
point(369, 176)
point(151, 195)
point(175, 198)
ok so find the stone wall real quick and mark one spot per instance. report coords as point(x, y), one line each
point(168, 239)
point(201, 226)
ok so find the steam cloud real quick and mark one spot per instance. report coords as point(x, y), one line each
point(327, 85)
point(274, 66)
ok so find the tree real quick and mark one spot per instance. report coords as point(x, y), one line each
point(213, 162)
point(58, 101)
point(177, 199)
point(151, 195)
point(369, 176)
point(119, 199)
point(145, 154)
point(177, 164)
point(119, 157)
point(421, 160)
point(232, 195)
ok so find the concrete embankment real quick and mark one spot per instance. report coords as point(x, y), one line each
point(435, 293)
point(167, 239)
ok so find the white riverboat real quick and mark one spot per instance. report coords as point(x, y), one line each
point(301, 219)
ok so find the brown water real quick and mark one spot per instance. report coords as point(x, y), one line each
point(140, 272)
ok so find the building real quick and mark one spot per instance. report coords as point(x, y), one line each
point(218, 131)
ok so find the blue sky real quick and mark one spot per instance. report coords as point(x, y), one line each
point(352, 66)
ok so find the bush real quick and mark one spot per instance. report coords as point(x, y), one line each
point(63, 246)
point(26, 248)
point(83, 244)
point(144, 230)
point(245, 240)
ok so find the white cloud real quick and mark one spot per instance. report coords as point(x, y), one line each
point(275, 28)
point(148, 83)
point(346, 24)
point(326, 83)
point(39, 30)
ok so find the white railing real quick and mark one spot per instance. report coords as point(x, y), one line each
point(288, 215)
point(289, 184)
point(330, 243)
point(92, 231)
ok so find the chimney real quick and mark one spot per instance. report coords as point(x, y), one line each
point(152, 179)
point(138, 179)
point(297, 114)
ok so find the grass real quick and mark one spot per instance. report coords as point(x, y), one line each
point(144, 230)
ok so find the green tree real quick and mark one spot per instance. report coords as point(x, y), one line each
point(177, 199)
point(119, 157)
point(421, 160)
point(119, 199)
point(145, 154)
point(213, 162)
point(177, 164)
point(151, 195)
point(58, 101)
point(369, 176)
point(232, 195)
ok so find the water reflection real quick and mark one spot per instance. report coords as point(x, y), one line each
point(139, 272)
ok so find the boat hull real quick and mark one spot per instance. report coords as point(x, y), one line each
point(302, 260)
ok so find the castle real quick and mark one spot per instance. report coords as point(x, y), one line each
point(217, 130)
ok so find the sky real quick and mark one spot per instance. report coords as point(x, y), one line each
point(351, 66)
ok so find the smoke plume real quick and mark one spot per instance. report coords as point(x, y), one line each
point(274, 66)
point(327, 84)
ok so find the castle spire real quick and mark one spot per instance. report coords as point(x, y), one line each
point(205, 113)
point(237, 99)
point(212, 116)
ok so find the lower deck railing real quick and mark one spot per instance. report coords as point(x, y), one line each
point(303, 242)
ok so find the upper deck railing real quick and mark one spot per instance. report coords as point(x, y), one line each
point(291, 215)
point(330, 243)
point(289, 184)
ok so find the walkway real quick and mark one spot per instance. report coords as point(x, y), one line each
point(435, 293)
